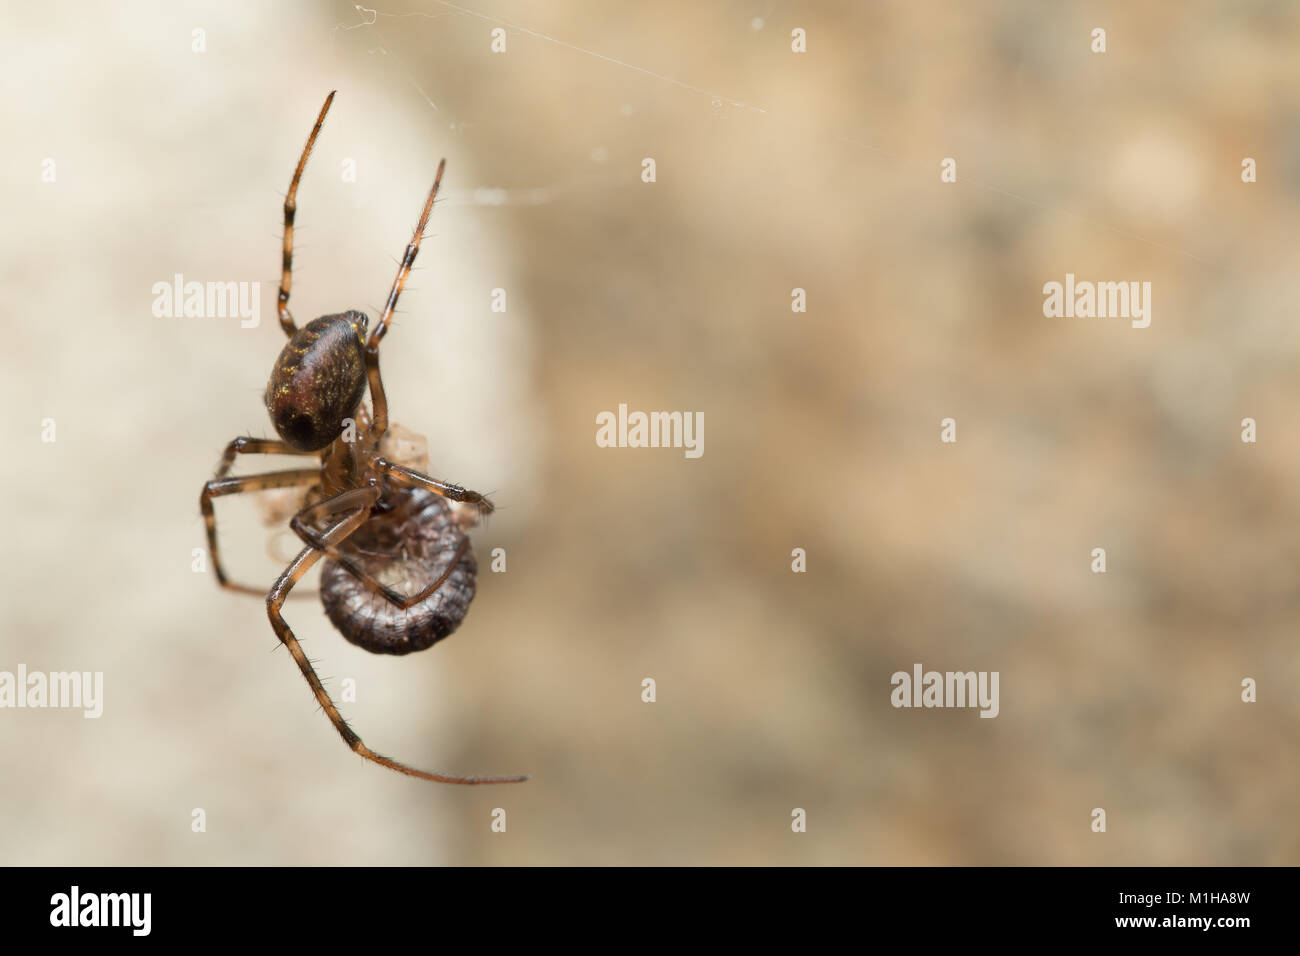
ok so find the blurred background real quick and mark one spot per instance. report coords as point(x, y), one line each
point(775, 170)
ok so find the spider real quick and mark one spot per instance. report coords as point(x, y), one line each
point(399, 573)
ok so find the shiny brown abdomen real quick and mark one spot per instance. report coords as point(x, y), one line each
point(318, 380)
point(407, 549)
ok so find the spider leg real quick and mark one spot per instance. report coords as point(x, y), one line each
point(411, 478)
point(219, 487)
point(378, 399)
point(345, 501)
point(351, 500)
point(243, 445)
point(290, 207)
point(336, 534)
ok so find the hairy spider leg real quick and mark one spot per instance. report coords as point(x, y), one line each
point(290, 208)
point(341, 502)
point(243, 445)
point(219, 487)
point(335, 535)
point(411, 478)
point(378, 400)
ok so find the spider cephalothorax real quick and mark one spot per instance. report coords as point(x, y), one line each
point(399, 573)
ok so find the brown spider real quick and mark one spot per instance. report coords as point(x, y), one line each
point(399, 573)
